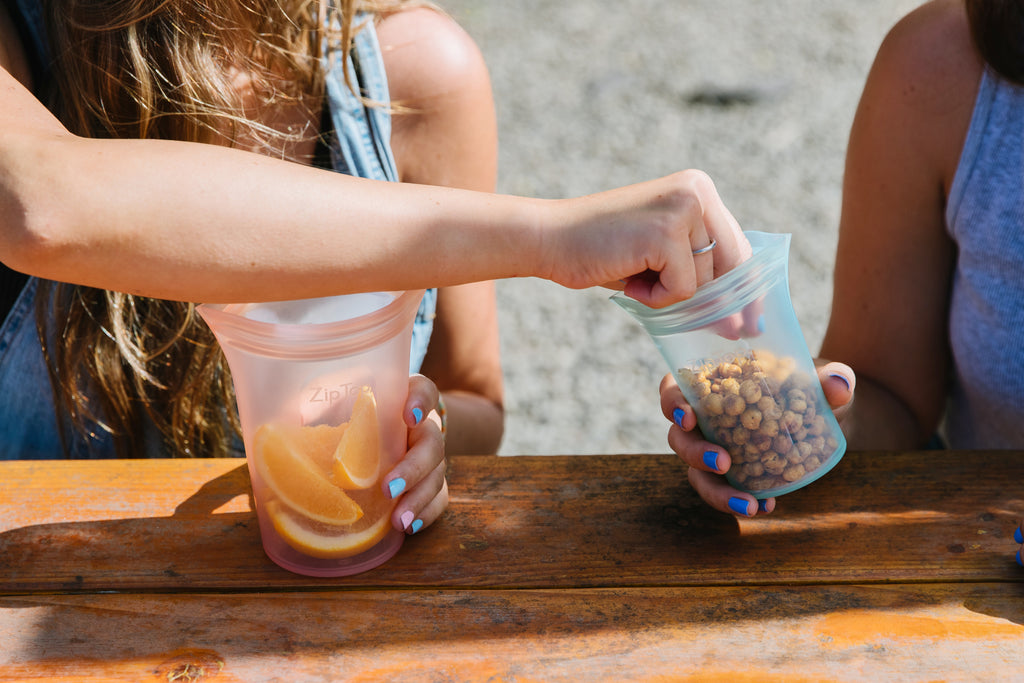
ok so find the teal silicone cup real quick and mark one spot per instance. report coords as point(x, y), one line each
point(740, 358)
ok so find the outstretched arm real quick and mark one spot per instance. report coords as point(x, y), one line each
point(205, 223)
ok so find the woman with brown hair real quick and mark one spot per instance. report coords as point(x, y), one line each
point(155, 153)
point(928, 302)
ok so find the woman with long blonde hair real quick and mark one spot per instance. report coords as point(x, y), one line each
point(163, 152)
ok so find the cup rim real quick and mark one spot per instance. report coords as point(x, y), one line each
point(313, 340)
point(725, 295)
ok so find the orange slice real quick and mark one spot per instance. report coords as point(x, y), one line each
point(328, 541)
point(357, 459)
point(318, 442)
point(295, 479)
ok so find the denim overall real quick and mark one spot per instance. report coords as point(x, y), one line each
point(29, 427)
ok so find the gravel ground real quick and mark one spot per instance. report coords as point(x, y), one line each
point(593, 94)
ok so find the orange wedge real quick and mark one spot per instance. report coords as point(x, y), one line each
point(318, 443)
point(357, 459)
point(295, 478)
point(328, 541)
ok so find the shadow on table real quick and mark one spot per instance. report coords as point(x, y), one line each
point(139, 553)
point(587, 553)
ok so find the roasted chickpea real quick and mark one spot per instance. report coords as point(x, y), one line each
point(763, 412)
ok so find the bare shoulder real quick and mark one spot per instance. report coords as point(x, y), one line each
point(427, 54)
point(934, 38)
point(446, 133)
point(930, 58)
point(924, 81)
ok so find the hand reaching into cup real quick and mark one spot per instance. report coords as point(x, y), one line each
point(657, 241)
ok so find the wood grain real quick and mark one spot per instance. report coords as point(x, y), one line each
point(896, 566)
point(537, 522)
point(798, 633)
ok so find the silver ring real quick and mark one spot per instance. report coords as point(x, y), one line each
point(704, 250)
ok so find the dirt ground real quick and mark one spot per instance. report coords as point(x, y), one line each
point(592, 95)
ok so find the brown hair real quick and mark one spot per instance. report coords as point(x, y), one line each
point(997, 27)
point(162, 69)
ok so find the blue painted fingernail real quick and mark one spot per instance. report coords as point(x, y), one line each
point(677, 416)
point(1018, 535)
point(417, 525)
point(711, 460)
point(740, 506)
point(417, 414)
point(760, 323)
point(762, 505)
point(1019, 560)
point(396, 486)
point(840, 377)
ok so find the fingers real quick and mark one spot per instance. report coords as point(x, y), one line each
point(701, 218)
point(707, 462)
point(701, 239)
point(422, 399)
point(753, 318)
point(418, 480)
point(838, 381)
point(732, 247)
point(717, 493)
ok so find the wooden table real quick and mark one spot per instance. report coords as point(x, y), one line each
point(896, 566)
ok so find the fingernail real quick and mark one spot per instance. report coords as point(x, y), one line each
point(740, 506)
point(396, 486)
point(407, 518)
point(711, 460)
point(677, 416)
point(1019, 560)
point(762, 505)
point(1018, 535)
point(841, 377)
point(417, 525)
point(417, 414)
point(760, 323)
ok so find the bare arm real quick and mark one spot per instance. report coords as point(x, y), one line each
point(449, 138)
point(894, 259)
point(204, 223)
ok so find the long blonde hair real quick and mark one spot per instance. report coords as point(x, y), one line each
point(162, 69)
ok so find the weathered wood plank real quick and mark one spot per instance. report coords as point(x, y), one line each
point(525, 522)
point(950, 632)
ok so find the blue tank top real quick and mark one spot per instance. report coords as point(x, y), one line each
point(985, 217)
point(29, 425)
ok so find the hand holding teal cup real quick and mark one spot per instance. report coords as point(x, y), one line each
point(738, 353)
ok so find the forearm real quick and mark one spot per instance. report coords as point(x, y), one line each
point(877, 420)
point(206, 223)
point(475, 424)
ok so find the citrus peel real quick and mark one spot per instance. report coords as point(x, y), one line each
point(296, 479)
point(357, 457)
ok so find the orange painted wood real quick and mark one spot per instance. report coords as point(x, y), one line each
point(896, 566)
point(531, 522)
point(950, 632)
